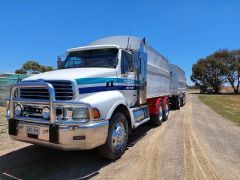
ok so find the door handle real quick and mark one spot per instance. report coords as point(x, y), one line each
point(109, 84)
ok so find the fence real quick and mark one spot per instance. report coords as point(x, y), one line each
point(5, 86)
point(6, 82)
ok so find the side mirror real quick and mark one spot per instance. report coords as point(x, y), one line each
point(60, 62)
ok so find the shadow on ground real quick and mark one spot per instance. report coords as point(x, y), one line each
point(35, 162)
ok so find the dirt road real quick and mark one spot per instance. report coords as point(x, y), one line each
point(195, 143)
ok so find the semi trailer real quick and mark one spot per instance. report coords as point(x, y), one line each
point(178, 86)
point(98, 95)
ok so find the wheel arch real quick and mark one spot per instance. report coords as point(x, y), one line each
point(153, 104)
point(123, 109)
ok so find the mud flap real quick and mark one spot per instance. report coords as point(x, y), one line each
point(12, 127)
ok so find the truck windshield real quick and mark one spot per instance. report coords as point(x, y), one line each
point(92, 58)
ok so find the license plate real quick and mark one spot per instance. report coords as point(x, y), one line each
point(33, 130)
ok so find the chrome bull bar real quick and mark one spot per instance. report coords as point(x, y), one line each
point(52, 102)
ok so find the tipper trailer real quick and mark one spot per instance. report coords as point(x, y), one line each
point(178, 86)
point(98, 95)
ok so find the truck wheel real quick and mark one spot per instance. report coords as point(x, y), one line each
point(166, 112)
point(177, 103)
point(117, 138)
point(158, 118)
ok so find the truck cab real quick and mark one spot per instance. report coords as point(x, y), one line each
point(95, 98)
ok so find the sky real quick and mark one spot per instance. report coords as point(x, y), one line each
point(181, 30)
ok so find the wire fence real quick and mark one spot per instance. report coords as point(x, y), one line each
point(6, 82)
point(4, 93)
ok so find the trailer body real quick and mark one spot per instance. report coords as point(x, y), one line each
point(178, 86)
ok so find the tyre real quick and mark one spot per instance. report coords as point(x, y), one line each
point(158, 118)
point(166, 112)
point(117, 138)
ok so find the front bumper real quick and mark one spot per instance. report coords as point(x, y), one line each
point(64, 137)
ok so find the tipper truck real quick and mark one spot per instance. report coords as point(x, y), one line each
point(98, 95)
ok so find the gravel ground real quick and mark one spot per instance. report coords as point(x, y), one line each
point(195, 143)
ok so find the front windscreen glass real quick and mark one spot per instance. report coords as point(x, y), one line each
point(92, 58)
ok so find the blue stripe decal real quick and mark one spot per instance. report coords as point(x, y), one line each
point(104, 80)
point(104, 88)
point(95, 80)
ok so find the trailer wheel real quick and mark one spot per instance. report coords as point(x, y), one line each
point(158, 118)
point(117, 138)
point(166, 112)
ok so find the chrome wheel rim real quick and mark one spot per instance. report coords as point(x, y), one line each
point(160, 113)
point(118, 136)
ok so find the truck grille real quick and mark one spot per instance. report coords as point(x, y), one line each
point(63, 91)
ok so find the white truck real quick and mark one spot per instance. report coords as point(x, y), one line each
point(98, 95)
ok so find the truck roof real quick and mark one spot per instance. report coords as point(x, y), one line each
point(82, 48)
point(122, 41)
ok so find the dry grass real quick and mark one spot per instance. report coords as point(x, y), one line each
point(4, 93)
point(3, 121)
point(227, 106)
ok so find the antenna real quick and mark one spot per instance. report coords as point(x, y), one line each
point(128, 41)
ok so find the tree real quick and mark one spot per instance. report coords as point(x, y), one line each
point(48, 68)
point(208, 72)
point(31, 66)
point(215, 71)
point(232, 69)
point(20, 71)
point(231, 66)
point(199, 76)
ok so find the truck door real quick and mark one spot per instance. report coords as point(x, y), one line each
point(128, 82)
point(142, 75)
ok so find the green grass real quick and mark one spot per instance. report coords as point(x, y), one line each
point(227, 106)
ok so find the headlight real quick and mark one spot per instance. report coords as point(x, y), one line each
point(18, 110)
point(45, 113)
point(80, 114)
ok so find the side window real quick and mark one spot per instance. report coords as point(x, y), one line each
point(125, 62)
